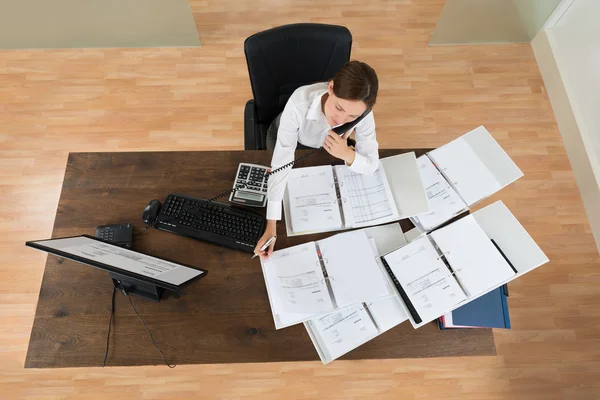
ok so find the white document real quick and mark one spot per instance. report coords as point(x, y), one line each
point(366, 199)
point(444, 202)
point(124, 259)
point(312, 199)
point(465, 171)
point(343, 330)
point(353, 272)
point(426, 280)
point(387, 312)
point(478, 265)
point(387, 237)
point(518, 246)
point(281, 318)
point(302, 286)
point(493, 156)
point(405, 183)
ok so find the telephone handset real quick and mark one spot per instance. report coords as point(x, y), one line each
point(258, 199)
point(342, 129)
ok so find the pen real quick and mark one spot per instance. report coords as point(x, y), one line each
point(266, 245)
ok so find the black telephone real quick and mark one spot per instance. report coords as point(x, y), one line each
point(340, 130)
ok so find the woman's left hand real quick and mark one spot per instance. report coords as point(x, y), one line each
point(337, 146)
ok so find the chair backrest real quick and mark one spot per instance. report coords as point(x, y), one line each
point(284, 58)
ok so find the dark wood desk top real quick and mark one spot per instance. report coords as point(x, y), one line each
point(223, 318)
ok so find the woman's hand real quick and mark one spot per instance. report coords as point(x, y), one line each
point(270, 231)
point(337, 146)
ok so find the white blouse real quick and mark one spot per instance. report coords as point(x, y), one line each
point(303, 121)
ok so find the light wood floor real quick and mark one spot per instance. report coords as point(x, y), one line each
point(59, 101)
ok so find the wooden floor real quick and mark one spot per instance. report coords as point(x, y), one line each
point(59, 101)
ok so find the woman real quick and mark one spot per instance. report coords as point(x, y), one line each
point(308, 117)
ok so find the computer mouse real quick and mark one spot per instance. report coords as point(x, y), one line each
point(150, 212)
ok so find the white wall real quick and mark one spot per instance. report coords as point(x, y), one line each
point(577, 43)
point(535, 13)
point(568, 54)
point(26, 24)
point(491, 21)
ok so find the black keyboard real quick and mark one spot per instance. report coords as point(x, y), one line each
point(212, 222)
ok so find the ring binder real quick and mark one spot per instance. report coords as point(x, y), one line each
point(411, 309)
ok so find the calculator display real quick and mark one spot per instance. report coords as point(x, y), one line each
point(249, 196)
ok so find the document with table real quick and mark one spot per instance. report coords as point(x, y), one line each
point(329, 198)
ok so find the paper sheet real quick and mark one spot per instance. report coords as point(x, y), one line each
point(387, 312)
point(444, 202)
point(302, 286)
point(343, 330)
point(465, 171)
point(353, 271)
point(478, 265)
point(402, 174)
point(281, 318)
point(313, 201)
point(425, 278)
point(387, 237)
point(366, 199)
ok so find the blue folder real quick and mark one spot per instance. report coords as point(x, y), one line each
point(487, 311)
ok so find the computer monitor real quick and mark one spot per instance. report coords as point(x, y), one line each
point(131, 271)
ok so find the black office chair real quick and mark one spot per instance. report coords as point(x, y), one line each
point(282, 59)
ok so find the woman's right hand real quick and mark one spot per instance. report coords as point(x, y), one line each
point(270, 231)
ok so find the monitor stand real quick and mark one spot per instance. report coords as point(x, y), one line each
point(134, 286)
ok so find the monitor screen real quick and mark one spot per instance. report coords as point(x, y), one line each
point(113, 258)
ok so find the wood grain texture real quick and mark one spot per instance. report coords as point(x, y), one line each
point(224, 318)
point(53, 102)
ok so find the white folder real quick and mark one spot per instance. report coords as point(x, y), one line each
point(479, 269)
point(475, 166)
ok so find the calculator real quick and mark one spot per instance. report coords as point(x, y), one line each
point(254, 191)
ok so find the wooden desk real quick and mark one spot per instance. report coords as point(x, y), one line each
point(223, 318)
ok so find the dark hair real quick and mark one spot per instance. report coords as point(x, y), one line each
point(356, 81)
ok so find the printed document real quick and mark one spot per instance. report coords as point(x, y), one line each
point(425, 278)
point(366, 199)
point(343, 330)
point(313, 200)
point(465, 171)
point(353, 272)
point(478, 264)
point(302, 286)
point(444, 202)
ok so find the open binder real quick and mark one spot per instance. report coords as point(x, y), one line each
point(509, 252)
point(341, 331)
point(439, 272)
point(331, 198)
point(316, 278)
point(462, 173)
